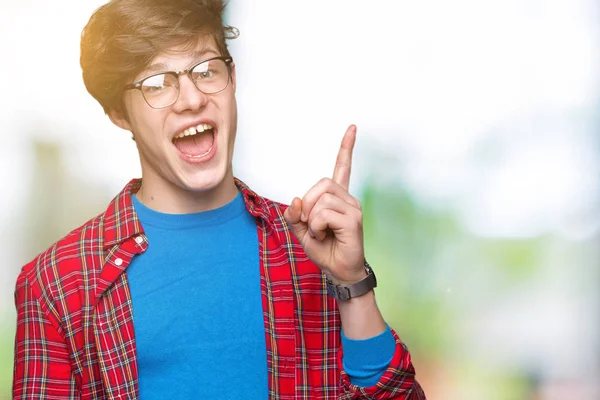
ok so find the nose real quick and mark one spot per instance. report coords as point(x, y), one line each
point(190, 98)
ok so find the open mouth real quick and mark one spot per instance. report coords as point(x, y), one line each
point(195, 142)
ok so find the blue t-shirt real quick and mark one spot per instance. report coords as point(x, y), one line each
point(197, 309)
point(197, 305)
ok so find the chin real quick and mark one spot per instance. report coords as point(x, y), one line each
point(205, 181)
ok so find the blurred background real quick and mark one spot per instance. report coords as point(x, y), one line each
point(478, 164)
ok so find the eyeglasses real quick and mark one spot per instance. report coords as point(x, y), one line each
point(162, 90)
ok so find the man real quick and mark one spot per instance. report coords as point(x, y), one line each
point(190, 285)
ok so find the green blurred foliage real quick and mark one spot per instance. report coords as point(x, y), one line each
point(518, 259)
point(401, 242)
point(6, 363)
point(432, 272)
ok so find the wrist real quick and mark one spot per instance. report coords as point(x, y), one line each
point(351, 279)
point(356, 287)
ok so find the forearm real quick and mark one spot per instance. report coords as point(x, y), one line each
point(362, 371)
point(361, 318)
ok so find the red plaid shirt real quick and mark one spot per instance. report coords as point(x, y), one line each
point(75, 333)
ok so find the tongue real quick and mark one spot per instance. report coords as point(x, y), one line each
point(195, 145)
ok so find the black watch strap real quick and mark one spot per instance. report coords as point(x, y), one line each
point(343, 293)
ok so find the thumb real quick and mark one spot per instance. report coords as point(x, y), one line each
point(292, 216)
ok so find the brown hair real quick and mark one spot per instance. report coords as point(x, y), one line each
point(123, 36)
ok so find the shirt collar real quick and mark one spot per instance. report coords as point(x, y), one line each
point(121, 221)
point(256, 205)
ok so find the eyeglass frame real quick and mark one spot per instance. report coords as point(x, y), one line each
point(138, 84)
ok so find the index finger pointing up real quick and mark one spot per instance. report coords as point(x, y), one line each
point(343, 164)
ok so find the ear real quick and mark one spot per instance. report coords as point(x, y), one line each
point(119, 118)
point(233, 75)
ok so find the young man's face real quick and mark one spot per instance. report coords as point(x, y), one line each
point(177, 158)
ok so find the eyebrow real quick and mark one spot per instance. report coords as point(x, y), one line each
point(197, 55)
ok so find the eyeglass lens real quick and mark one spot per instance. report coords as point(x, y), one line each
point(162, 90)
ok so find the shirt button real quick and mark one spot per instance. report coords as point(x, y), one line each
point(118, 262)
point(139, 240)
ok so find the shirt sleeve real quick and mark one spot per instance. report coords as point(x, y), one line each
point(365, 361)
point(41, 364)
point(397, 382)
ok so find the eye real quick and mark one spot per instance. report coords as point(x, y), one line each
point(205, 74)
point(157, 84)
point(205, 70)
point(152, 89)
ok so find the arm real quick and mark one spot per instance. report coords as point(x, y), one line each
point(41, 367)
point(327, 222)
point(361, 319)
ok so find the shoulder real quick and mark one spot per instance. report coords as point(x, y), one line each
point(77, 258)
point(60, 281)
point(262, 207)
point(275, 211)
point(65, 261)
point(272, 212)
point(65, 279)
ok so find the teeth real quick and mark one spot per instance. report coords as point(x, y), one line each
point(193, 130)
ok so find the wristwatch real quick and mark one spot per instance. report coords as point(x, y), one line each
point(343, 293)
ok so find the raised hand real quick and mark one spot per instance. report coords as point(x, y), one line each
point(328, 221)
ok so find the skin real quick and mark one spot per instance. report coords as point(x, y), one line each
point(327, 220)
point(169, 183)
point(328, 223)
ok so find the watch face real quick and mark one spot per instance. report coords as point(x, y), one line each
point(357, 289)
point(339, 292)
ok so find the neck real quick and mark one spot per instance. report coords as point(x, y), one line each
point(176, 200)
